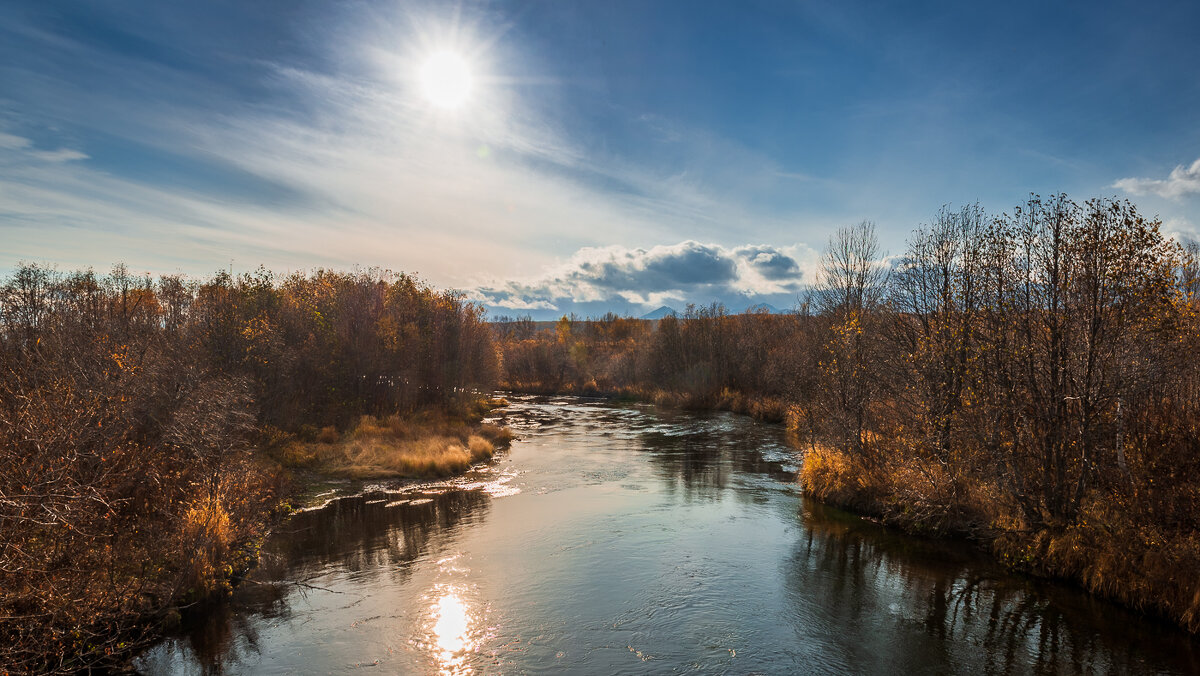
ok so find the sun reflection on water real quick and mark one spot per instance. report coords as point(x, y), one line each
point(453, 633)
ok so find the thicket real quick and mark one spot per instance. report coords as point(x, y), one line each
point(130, 409)
point(706, 358)
point(1029, 379)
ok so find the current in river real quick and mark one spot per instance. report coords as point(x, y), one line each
point(624, 539)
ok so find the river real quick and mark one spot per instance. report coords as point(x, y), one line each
point(625, 539)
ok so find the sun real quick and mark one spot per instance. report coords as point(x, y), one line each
point(446, 80)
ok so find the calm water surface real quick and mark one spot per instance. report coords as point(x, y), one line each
point(622, 539)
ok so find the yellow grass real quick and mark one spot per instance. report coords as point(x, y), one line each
point(760, 407)
point(207, 534)
point(833, 477)
point(429, 444)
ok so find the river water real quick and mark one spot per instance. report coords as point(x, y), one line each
point(623, 539)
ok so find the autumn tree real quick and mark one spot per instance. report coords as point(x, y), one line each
point(851, 294)
point(936, 295)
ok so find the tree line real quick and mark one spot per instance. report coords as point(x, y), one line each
point(130, 407)
point(1028, 378)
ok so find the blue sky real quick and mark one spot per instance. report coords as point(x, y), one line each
point(615, 155)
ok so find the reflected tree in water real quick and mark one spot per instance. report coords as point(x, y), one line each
point(936, 594)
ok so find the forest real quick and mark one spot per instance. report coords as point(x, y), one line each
point(1028, 380)
point(146, 424)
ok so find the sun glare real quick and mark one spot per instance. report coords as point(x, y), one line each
point(453, 633)
point(446, 80)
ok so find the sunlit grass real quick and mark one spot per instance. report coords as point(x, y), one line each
point(430, 444)
point(207, 534)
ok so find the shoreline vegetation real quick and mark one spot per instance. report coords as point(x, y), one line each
point(1026, 380)
point(152, 431)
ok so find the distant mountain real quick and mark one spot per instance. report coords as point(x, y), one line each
point(764, 307)
point(661, 312)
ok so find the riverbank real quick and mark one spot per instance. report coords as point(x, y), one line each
point(1105, 551)
point(103, 603)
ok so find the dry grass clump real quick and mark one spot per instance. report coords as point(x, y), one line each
point(380, 456)
point(500, 437)
point(207, 534)
point(836, 478)
point(427, 444)
point(759, 406)
point(667, 399)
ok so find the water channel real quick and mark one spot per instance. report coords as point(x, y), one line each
point(626, 539)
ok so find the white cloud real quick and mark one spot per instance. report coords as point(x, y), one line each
point(1182, 181)
point(687, 272)
point(514, 303)
point(1180, 230)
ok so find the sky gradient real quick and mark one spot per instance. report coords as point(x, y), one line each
point(610, 156)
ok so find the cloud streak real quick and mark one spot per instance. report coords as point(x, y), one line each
point(24, 148)
point(1181, 181)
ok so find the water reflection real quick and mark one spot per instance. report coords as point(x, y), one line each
point(364, 540)
point(710, 455)
point(912, 600)
point(621, 539)
point(369, 535)
point(452, 633)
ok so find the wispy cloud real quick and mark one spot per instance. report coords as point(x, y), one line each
point(341, 163)
point(23, 147)
point(11, 142)
point(1181, 181)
